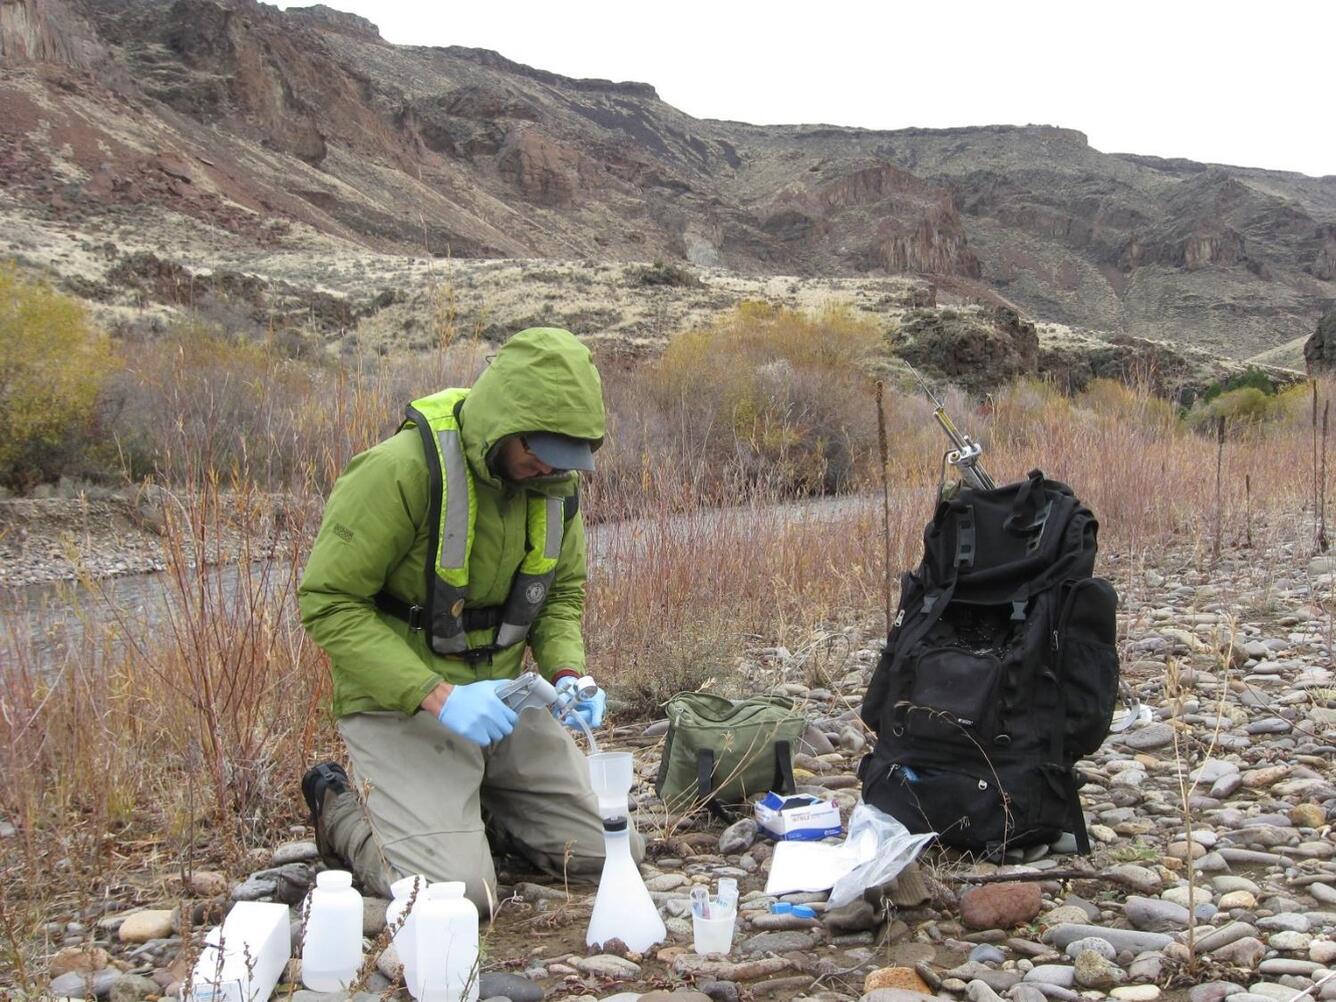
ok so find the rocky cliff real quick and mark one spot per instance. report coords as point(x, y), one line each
point(190, 126)
point(33, 32)
point(1320, 348)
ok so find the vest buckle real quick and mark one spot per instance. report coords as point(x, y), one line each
point(415, 618)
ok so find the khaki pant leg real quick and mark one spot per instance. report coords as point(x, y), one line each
point(537, 789)
point(420, 785)
point(347, 834)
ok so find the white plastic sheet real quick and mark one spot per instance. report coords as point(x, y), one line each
point(877, 849)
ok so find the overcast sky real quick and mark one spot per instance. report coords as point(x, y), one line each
point(1224, 82)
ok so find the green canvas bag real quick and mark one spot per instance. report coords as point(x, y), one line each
point(718, 751)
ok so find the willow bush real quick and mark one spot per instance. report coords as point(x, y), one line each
point(53, 363)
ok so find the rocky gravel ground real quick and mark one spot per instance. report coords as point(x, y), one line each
point(1234, 663)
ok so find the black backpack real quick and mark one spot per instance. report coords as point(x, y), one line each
point(999, 672)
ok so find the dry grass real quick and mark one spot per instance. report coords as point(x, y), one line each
point(158, 746)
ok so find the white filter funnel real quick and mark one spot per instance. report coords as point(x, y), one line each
point(611, 775)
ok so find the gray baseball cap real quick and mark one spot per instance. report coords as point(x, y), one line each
point(561, 451)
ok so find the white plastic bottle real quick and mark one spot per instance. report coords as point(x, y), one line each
point(332, 946)
point(447, 945)
point(623, 908)
point(409, 889)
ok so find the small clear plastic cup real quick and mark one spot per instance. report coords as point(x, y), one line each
point(713, 935)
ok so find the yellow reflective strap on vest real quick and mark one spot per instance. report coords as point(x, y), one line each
point(459, 502)
point(459, 510)
point(546, 526)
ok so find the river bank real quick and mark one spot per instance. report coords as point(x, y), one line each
point(46, 540)
point(92, 537)
point(113, 534)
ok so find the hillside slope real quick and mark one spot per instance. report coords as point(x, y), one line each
point(226, 130)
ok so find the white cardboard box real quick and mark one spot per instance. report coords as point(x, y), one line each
point(243, 958)
point(798, 818)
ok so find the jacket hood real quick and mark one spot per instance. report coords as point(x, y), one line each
point(542, 379)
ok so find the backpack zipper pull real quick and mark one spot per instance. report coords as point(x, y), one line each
point(900, 618)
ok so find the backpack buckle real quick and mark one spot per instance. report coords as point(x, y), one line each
point(415, 618)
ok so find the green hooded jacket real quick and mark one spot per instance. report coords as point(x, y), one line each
point(374, 535)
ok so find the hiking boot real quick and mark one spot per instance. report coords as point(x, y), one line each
point(327, 777)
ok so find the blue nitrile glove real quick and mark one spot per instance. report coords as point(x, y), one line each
point(591, 709)
point(475, 712)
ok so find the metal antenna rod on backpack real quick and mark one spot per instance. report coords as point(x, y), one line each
point(966, 452)
point(885, 503)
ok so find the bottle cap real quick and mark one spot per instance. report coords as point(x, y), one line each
point(334, 879)
point(403, 888)
point(445, 889)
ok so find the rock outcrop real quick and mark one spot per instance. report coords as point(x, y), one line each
point(1320, 348)
point(876, 217)
point(977, 349)
point(47, 31)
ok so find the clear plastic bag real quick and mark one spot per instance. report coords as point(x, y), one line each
point(877, 849)
point(880, 847)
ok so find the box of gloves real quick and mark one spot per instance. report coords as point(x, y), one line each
point(799, 818)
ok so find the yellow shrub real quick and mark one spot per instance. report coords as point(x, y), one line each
point(1132, 408)
point(1247, 405)
point(52, 364)
point(1024, 411)
point(1293, 406)
point(780, 393)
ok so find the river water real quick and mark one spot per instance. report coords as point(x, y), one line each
point(42, 624)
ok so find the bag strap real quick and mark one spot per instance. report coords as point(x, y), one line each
point(1026, 504)
point(1056, 750)
point(705, 784)
point(1077, 815)
point(965, 541)
point(784, 781)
